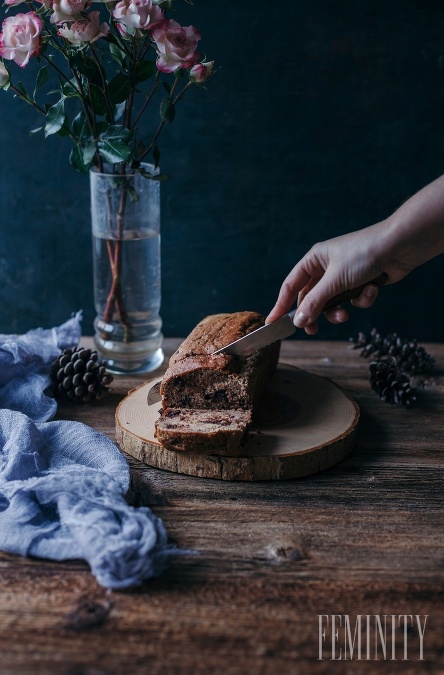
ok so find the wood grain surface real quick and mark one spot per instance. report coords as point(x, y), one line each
point(364, 537)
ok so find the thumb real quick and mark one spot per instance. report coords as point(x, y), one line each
point(313, 302)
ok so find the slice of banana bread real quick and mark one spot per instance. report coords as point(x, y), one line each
point(221, 432)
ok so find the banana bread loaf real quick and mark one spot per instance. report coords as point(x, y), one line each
point(196, 379)
point(207, 401)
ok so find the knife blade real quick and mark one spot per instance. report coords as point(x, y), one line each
point(284, 327)
point(154, 393)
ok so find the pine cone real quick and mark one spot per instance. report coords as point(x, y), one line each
point(409, 356)
point(390, 382)
point(79, 375)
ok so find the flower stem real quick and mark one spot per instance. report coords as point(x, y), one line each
point(148, 99)
point(162, 122)
point(104, 85)
point(115, 297)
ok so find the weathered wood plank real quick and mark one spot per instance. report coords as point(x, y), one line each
point(267, 625)
point(365, 537)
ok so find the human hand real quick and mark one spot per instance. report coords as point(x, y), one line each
point(332, 267)
point(395, 246)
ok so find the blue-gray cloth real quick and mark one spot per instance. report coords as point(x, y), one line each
point(62, 484)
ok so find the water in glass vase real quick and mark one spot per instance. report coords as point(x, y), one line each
point(128, 325)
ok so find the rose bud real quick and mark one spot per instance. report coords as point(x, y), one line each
point(4, 75)
point(201, 72)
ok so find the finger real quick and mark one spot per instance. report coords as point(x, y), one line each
point(307, 288)
point(336, 315)
point(312, 329)
point(312, 305)
point(367, 297)
point(295, 281)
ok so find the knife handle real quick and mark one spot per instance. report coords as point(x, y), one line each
point(355, 292)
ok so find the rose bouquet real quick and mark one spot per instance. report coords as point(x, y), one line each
point(102, 69)
point(109, 75)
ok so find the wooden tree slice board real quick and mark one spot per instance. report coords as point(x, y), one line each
point(305, 424)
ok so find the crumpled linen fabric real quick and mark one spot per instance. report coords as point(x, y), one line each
point(61, 497)
point(62, 484)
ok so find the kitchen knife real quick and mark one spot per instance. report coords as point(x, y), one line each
point(284, 327)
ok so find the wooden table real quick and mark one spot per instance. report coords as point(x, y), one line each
point(363, 538)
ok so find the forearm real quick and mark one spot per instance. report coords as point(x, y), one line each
point(410, 237)
point(415, 232)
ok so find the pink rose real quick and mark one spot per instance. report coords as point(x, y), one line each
point(137, 13)
point(84, 30)
point(21, 38)
point(13, 2)
point(176, 45)
point(67, 10)
point(201, 71)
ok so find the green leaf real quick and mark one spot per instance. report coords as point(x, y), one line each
point(101, 127)
point(112, 40)
point(167, 111)
point(55, 118)
point(114, 152)
point(38, 11)
point(77, 161)
point(119, 109)
point(119, 88)
point(36, 130)
point(22, 89)
point(117, 54)
point(69, 89)
point(98, 99)
point(64, 131)
point(161, 177)
point(144, 70)
point(42, 77)
point(80, 126)
point(117, 132)
point(85, 66)
point(88, 153)
point(134, 195)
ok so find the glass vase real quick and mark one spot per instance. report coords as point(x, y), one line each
point(125, 214)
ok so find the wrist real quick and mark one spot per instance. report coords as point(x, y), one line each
point(410, 242)
point(415, 232)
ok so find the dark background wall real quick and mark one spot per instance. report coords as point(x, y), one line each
point(323, 118)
